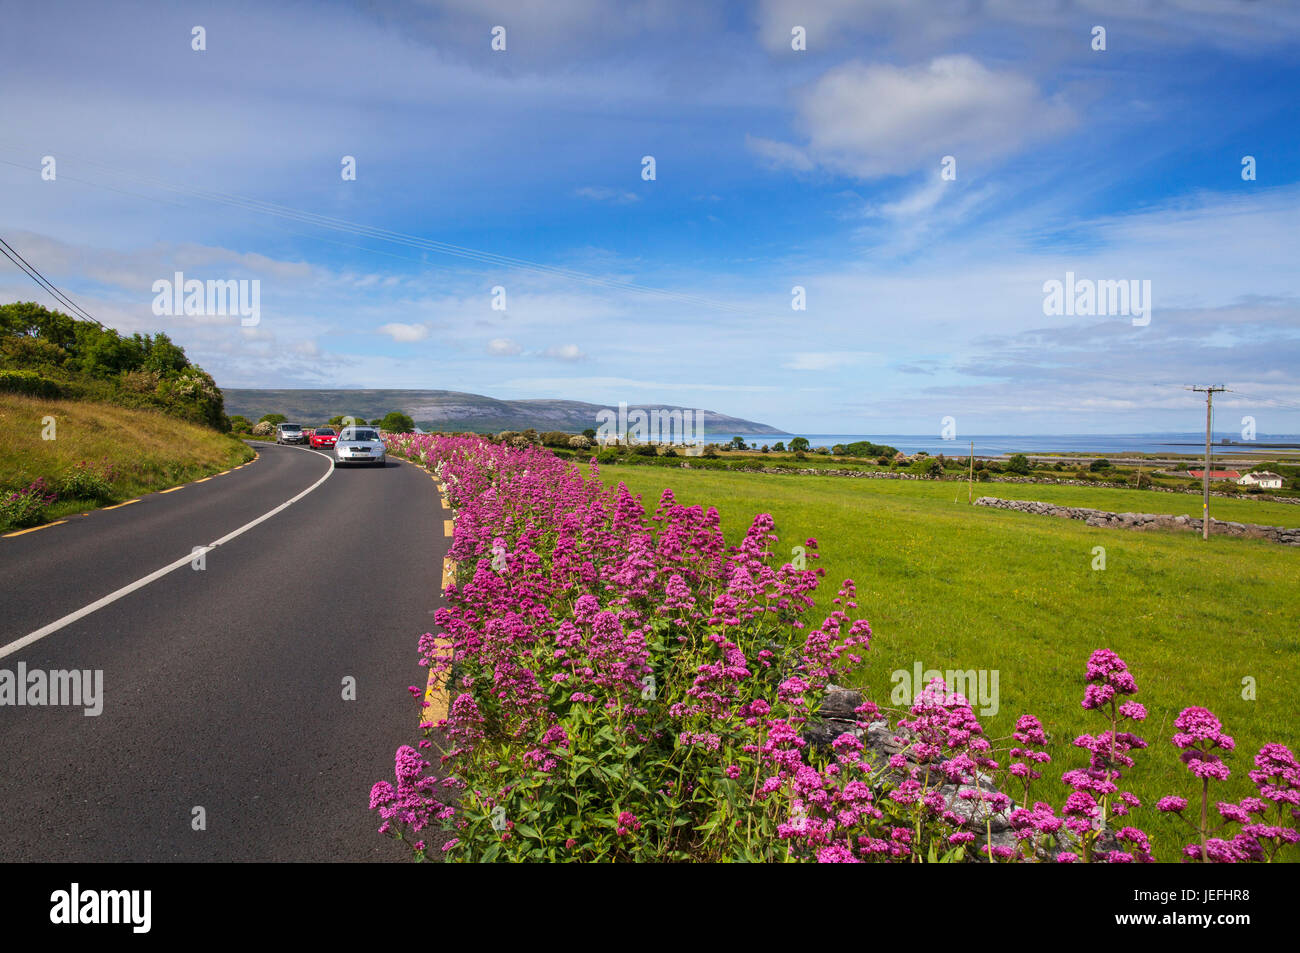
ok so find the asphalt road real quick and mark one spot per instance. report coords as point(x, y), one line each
point(223, 688)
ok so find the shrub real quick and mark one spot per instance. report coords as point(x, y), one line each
point(29, 383)
point(1018, 463)
point(1101, 463)
point(397, 422)
point(580, 442)
point(645, 450)
point(263, 428)
point(86, 482)
point(26, 507)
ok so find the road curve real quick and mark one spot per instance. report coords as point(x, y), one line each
point(224, 688)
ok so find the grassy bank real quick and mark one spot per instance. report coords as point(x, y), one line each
point(144, 450)
point(958, 587)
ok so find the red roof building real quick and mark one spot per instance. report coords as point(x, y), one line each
point(1216, 474)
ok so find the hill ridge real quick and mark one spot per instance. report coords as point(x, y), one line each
point(454, 410)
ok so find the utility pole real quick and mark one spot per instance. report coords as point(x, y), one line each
point(970, 484)
point(1209, 393)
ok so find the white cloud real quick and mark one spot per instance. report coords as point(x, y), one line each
point(565, 352)
point(779, 154)
point(876, 120)
point(828, 360)
point(939, 24)
point(503, 347)
point(405, 333)
point(600, 193)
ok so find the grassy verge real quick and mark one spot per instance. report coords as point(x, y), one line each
point(146, 450)
point(958, 587)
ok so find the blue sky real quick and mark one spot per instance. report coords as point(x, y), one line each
point(775, 168)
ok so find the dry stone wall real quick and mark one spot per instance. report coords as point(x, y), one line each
point(1289, 536)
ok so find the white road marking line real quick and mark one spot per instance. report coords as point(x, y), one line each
point(126, 590)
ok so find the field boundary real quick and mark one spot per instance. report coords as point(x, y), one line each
point(1104, 518)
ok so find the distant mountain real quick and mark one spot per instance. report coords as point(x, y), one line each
point(452, 410)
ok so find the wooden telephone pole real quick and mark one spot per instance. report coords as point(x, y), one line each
point(1209, 393)
point(970, 485)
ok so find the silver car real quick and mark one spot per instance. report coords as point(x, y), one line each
point(290, 433)
point(359, 445)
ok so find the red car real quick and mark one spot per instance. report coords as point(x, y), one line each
point(324, 437)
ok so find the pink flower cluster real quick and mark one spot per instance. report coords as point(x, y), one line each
point(649, 686)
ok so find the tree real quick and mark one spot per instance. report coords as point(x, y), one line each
point(397, 422)
point(239, 423)
point(336, 421)
point(1101, 463)
point(589, 433)
point(161, 354)
point(800, 443)
point(779, 446)
point(737, 443)
point(272, 419)
point(1018, 463)
point(376, 422)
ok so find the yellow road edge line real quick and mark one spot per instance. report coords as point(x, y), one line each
point(436, 695)
point(204, 480)
point(222, 473)
point(173, 489)
point(119, 505)
point(34, 529)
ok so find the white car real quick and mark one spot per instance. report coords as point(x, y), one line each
point(359, 445)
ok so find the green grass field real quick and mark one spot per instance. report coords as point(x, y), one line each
point(148, 450)
point(957, 587)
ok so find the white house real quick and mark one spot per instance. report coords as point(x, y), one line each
point(1264, 478)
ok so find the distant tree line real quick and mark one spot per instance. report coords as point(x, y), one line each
point(393, 422)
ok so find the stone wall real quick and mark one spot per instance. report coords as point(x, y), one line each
point(1278, 534)
point(953, 476)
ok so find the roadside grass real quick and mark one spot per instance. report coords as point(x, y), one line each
point(957, 587)
point(147, 450)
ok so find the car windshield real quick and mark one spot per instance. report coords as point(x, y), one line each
point(290, 427)
point(360, 435)
point(324, 432)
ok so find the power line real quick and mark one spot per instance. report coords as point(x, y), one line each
point(400, 238)
point(1270, 401)
point(30, 270)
